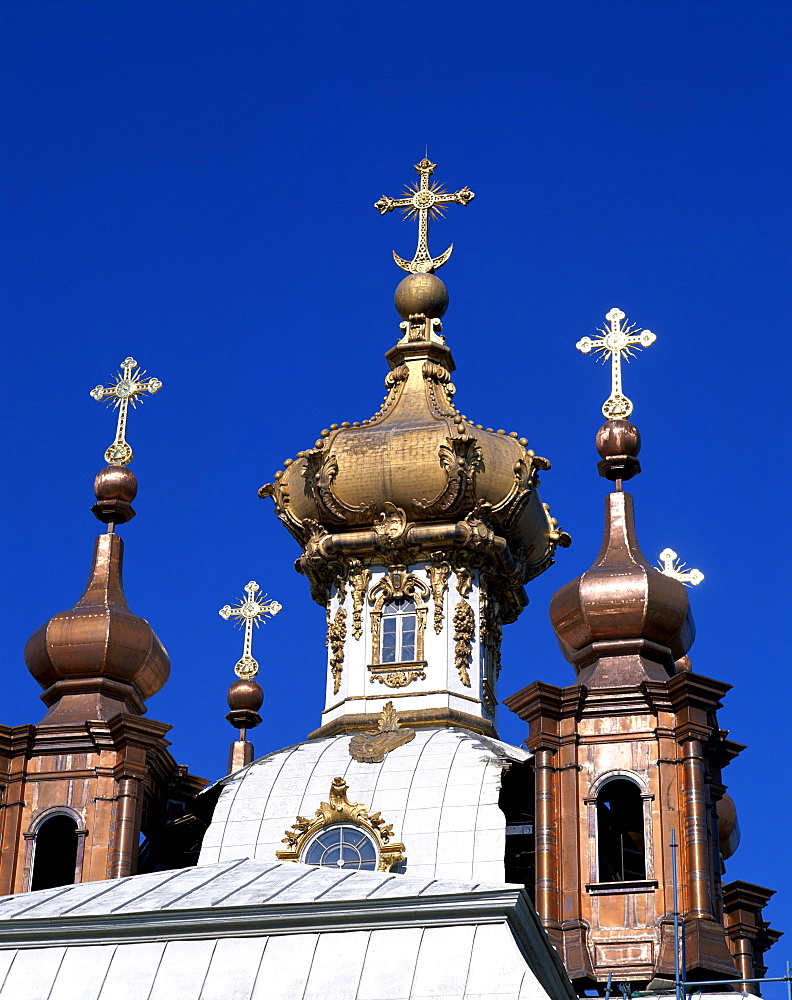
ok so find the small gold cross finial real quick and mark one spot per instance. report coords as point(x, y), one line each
point(617, 341)
point(252, 609)
point(671, 565)
point(423, 200)
point(127, 387)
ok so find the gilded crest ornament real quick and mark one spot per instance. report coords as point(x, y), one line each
point(371, 748)
point(340, 810)
point(671, 565)
point(423, 200)
point(252, 609)
point(128, 386)
point(617, 341)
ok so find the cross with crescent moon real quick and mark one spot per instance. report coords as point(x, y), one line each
point(423, 200)
point(671, 565)
point(252, 609)
point(127, 387)
point(616, 341)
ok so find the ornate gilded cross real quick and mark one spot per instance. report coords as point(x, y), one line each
point(251, 609)
point(127, 387)
point(616, 341)
point(424, 200)
point(671, 565)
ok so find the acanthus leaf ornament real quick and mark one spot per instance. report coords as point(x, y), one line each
point(372, 748)
point(128, 386)
point(422, 200)
point(616, 342)
point(340, 810)
point(671, 565)
point(252, 610)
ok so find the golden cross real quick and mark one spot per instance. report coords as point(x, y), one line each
point(616, 341)
point(251, 609)
point(127, 387)
point(423, 199)
point(671, 565)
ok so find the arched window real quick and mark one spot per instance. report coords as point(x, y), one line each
point(399, 626)
point(55, 856)
point(620, 832)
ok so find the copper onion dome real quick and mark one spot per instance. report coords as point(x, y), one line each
point(98, 658)
point(622, 621)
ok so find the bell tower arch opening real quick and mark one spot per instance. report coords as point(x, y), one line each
point(621, 842)
point(55, 852)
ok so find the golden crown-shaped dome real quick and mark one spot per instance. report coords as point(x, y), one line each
point(418, 460)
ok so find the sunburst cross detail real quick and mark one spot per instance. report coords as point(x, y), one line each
point(251, 610)
point(671, 565)
point(128, 387)
point(424, 200)
point(618, 341)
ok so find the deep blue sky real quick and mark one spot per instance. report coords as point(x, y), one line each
point(192, 183)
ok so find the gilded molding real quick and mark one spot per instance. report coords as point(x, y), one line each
point(440, 390)
point(439, 571)
point(464, 631)
point(359, 578)
point(371, 748)
point(398, 584)
point(340, 810)
point(462, 459)
point(394, 382)
point(336, 637)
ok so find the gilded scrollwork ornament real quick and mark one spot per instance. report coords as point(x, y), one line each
point(464, 632)
point(340, 810)
point(395, 678)
point(391, 526)
point(461, 458)
point(320, 472)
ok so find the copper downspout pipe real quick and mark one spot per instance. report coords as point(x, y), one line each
point(697, 848)
point(126, 816)
point(546, 841)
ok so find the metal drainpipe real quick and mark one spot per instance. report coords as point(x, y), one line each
point(125, 828)
point(696, 844)
point(546, 843)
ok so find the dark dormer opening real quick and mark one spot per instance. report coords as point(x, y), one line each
point(620, 832)
point(55, 857)
point(517, 797)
